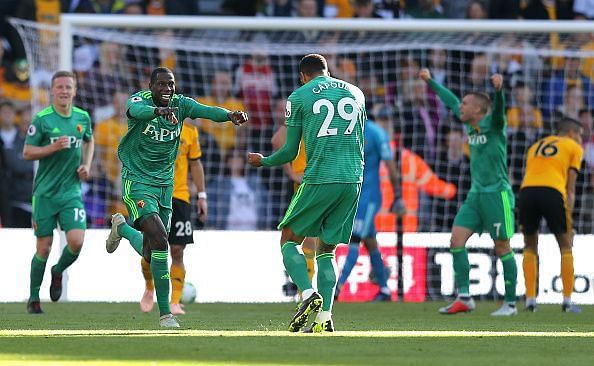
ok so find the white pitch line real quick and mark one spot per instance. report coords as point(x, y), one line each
point(8, 333)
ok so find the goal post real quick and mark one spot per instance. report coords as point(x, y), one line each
point(548, 68)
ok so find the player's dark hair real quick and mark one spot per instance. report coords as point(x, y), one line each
point(157, 71)
point(63, 73)
point(483, 99)
point(567, 124)
point(586, 111)
point(313, 64)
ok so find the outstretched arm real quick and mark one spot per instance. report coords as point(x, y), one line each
point(445, 94)
point(216, 114)
point(498, 117)
point(288, 152)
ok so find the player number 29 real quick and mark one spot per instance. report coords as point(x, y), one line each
point(352, 116)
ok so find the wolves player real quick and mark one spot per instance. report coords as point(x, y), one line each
point(60, 138)
point(329, 113)
point(548, 190)
point(148, 152)
point(489, 206)
point(377, 149)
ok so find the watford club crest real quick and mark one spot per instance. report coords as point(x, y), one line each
point(79, 128)
point(140, 204)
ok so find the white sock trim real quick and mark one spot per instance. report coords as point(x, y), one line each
point(323, 316)
point(307, 293)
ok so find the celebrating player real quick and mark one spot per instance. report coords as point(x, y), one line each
point(548, 190)
point(188, 157)
point(60, 137)
point(329, 113)
point(489, 206)
point(377, 149)
point(148, 153)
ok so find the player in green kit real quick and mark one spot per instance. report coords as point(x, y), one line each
point(489, 206)
point(148, 152)
point(329, 114)
point(60, 137)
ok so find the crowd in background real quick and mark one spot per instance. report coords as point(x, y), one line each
point(539, 90)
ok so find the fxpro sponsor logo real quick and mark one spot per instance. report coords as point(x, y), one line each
point(162, 134)
point(73, 141)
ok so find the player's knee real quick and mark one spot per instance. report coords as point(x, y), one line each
point(75, 246)
point(370, 244)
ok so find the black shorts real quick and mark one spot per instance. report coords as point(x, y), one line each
point(539, 202)
point(181, 232)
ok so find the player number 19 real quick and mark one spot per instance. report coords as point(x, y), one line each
point(352, 116)
point(80, 214)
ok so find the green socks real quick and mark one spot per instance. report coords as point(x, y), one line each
point(134, 236)
point(326, 279)
point(66, 259)
point(37, 270)
point(160, 270)
point(295, 265)
point(510, 276)
point(461, 270)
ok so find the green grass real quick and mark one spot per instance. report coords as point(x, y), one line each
point(255, 334)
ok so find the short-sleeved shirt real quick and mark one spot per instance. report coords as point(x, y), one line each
point(331, 114)
point(56, 176)
point(549, 159)
point(377, 149)
point(189, 149)
point(149, 148)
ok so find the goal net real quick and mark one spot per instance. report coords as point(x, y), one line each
point(547, 76)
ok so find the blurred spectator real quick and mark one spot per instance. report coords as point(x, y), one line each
point(423, 9)
point(18, 173)
point(256, 85)
point(16, 86)
point(43, 11)
point(365, 9)
point(307, 9)
point(573, 103)
point(548, 9)
point(341, 67)
point(454, 166)
point(97, 6)
point(455, 9)
point(108, 134)
point(277, 8)
point(373, 91)
point(586, 118)
point(583, 9)
point(419, 121)
point(134, 7)
point(480, 72)
point(237, 201)
point(524, 113)
point(220, 95)
point(338, 9)
point(477, 10)
point(97, 195)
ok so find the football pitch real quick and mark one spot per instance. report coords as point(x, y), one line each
point(255, 334)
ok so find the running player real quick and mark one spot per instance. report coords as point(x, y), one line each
point(148, 152)
point(60, 137)
point(182, 233)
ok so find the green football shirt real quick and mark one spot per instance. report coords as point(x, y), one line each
point(331, 115)
point(56, 175)
point(488, 143)
point(149, 148)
